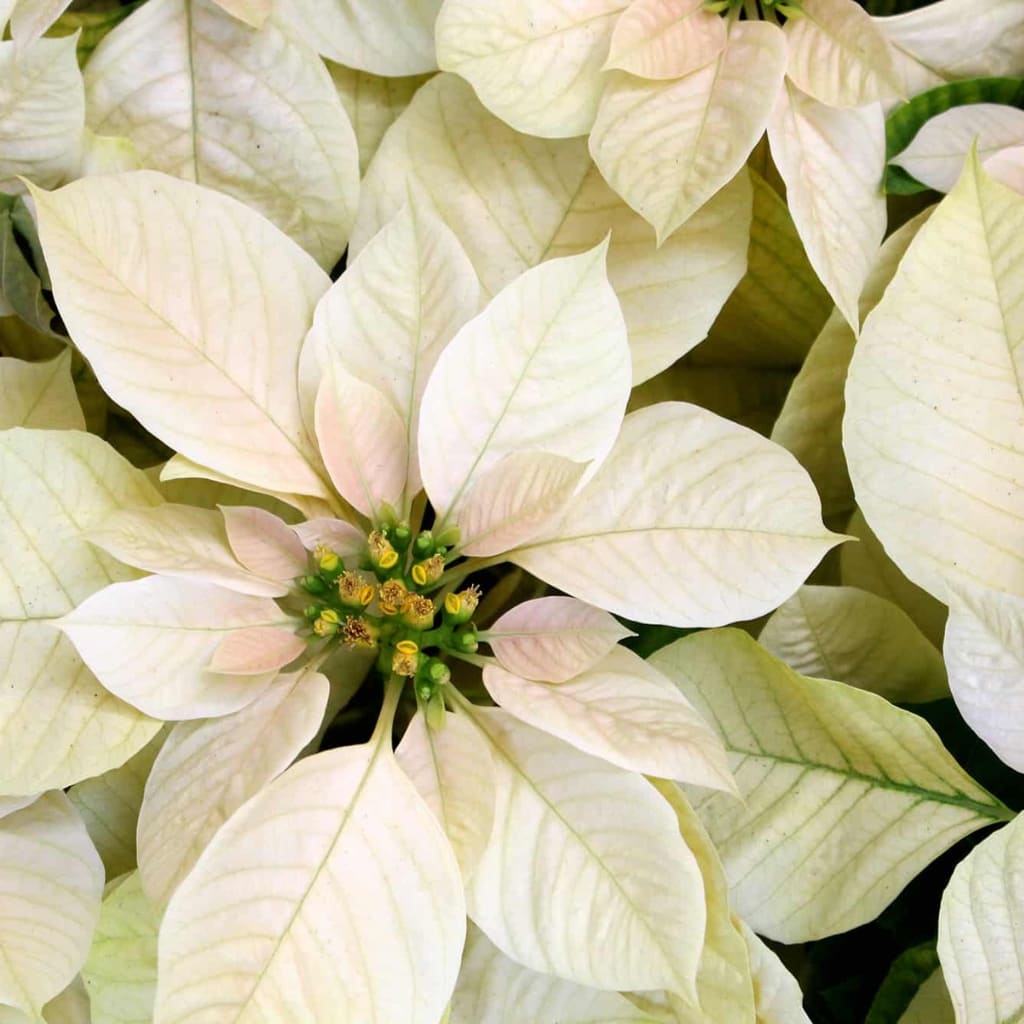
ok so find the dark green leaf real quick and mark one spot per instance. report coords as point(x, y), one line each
point(94, 26)
point(19, 283)
point(909, 971)
point(907, 119)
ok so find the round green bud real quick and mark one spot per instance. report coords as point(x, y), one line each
point(313, 585)
point(423, 546)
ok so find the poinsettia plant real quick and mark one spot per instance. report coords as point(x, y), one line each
point(405, 613)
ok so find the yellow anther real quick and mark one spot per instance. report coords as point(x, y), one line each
point(382, 554)
point(327, 623)
point(418, 611)
point(428, 571)
point(405, 662)
point(359, 633)
point(366, 595)
point(453, 604)
point(351, 589)
point(469, 599)
point(392, 596)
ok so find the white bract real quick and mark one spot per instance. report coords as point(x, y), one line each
point(350, 401)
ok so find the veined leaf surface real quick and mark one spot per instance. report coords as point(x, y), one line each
point(845, 796)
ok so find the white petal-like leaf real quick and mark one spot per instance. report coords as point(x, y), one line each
point(57, 724)
point(839, 56)
point(934, 427)
point(668, 147)
point(190, 346)
point(858, 638)
point(495, 990)
point(343, 538)
point(778, 999)
point(31, 18)
point(44, 112)
point(845, 796)
point(385, 37)
point(832, 162)
point(208, 769)
point(40, 395)
point(937, 152)
point(263, 543)
point(514, 500)
point(952, 41)
point(332, 887)
point(10, 804)
point(252, 12)
point(452, 769)
point(981, 930)
point(150, 640)
point(984, 649)
point(1007, 165)
point(810, 424)
point(120, 974)
point(623, 711)
point(866, 565)
point(372, 103)
point(671, 293)
point(255, 650)
point(107, 154)
point(534, 64)
point(724, 984)
point(553, 638)
point(665, 38)
point(672, 530)
point(480, 175)
point(201, 95)
point(559, 383)
point(178, 540)
point(585, 875)
point(363, 442)
point(109, 805)
point(779, 305)
point(388, 317)
point(51, 879)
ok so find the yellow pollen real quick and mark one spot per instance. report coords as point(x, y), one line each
point(453, 604)
point(419, 575)
point(392, 595)
point(358, 633)
point(407, 646)
point(405, 663)
point(389, 559)
point(366, 595)
point(330, 615)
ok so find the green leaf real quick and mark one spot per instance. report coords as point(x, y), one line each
point(109, 805)
point(19, 283)
point(845, 797)
point(906, 120)
point(120, 973)
point(39, 395)
point(909, 971)
point(92, 26)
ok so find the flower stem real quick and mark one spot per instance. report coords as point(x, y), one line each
point(392, 693)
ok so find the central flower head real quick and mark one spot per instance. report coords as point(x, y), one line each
point(395, 602)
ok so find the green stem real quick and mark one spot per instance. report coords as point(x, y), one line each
point(454, 576)
point(480, 660)
point(392, 694)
